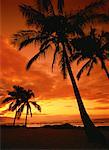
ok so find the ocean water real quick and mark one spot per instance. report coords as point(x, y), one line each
point(76, 123)
point(35, 122)
point(97, 122)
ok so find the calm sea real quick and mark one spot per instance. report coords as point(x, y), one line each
point(97, 122)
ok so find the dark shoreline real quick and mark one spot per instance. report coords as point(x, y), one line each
point(48, 137)
point(62, 126)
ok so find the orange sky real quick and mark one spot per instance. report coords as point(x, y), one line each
point(50, 88)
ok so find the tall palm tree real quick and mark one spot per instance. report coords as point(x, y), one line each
point(19, 98)
point(92, 48)
point(52, 28)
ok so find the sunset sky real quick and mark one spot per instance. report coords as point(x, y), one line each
point(53, 93)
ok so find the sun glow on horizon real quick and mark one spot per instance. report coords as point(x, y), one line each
point(57, 107)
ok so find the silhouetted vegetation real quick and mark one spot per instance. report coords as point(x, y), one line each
point(20, 98)
point(57, 28)
point(62, 126)
point(93, 48)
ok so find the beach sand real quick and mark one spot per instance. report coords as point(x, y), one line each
point(47, 138)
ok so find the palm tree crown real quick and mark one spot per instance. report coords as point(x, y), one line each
point(15, 97)
point(20, 98)
point(50, 28)
point(57, 28)
point(25, 96)
point(92, 47)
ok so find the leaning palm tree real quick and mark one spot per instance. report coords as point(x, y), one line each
point(26, 96)
point(56, 28)
point(19, 98)
point(93, 48)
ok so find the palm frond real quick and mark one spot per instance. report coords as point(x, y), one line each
point(63, 66)
point(103, 18)
point(18, 88)
point(44, 46)
point(92, 7)
point(19, 111)
point(80, 59)
point(12, 94)
point(33, 16)
point(94, 60)
point(24, 37)
point(81, 21)
point(10, 106)
point(29, 107)
point(69, 47)
point(85, 14)
point(76, 28)
point(55, 53)
point(103, 65)
point(26, 42)
point(85, 66)
point(30, 92)
point(105, 47)
point(6, 100)
point(13, 107)
point(45, 43)
point(42, 51)
point(74, 56)
point(38, 5)
point(37, 106)
point(45, 6)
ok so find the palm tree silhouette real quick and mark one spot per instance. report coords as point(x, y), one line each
point(94, 48)
point(15, 99)
point(19, 98)
point(57, 28)
point(26, 95)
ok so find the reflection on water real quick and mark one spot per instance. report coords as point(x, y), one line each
point(97, 122)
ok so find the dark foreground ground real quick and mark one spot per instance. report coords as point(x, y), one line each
point(16, 138)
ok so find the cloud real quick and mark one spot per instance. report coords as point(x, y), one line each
point(101, 121)
point(95, 86)
point(13, 72)
point(99, 108)
point(45, 84)
point(3, 112)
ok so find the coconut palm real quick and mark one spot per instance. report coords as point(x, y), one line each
point(92, 48)
point(19, 98)
point(15, 99)
point(26, 96)
point(56, 28)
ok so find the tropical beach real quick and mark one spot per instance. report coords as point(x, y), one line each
point(54, 74)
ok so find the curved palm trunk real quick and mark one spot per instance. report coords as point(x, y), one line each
point(15, 118)
point(26, 117)
point(91, 131)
